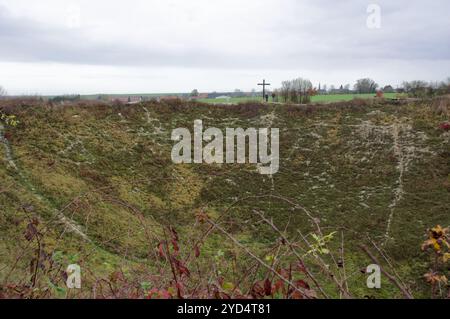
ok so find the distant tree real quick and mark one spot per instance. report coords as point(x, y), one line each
point(303, 88)
point(65, 98)
point(298, 90)
point(194, 93)
point(366, 86)
point(418, 89)
point(285, 90)
point(388, 89)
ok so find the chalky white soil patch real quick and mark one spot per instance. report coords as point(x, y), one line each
point(157, 128)
point(407, 145)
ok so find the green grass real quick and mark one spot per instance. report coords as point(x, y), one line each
point(315, 99)
point(347, 97)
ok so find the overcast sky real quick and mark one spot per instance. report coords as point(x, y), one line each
point(140, 46)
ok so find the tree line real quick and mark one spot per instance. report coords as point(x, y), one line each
point(301, 90)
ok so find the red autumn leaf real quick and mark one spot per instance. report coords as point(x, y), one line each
point(279, 286)
point(302, 284)
point(297, 295)
point(197, 252)
point(182, 269)
point(161, 250)
point(268, 287)
point(175, 245)
point(257, 291)
point(445, 126)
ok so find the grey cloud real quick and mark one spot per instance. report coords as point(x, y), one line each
point(333, 34)
point(24, 40)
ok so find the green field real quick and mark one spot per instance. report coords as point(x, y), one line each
point(348, 97)
point(236, 100)
point(316, 99)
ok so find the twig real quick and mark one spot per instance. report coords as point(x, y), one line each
point(387, 259)
point(345, 282)
point(172, 267)
point(391, 278)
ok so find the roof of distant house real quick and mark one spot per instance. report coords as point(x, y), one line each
point(201, 96)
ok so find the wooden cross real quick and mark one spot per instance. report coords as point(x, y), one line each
point(264, 84)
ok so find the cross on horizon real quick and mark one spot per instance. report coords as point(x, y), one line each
point(264, 84)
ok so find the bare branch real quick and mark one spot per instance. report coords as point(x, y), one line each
point(391, 278)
